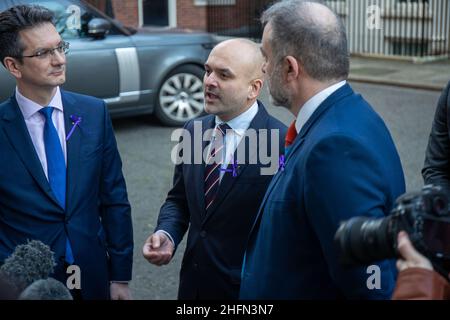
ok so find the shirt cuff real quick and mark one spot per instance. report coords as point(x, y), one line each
point(168, 236)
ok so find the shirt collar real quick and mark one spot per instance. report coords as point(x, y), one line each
point(29, 107)
point(241, 123)
point(312, 104)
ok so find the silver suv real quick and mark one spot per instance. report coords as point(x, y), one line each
point(150, 70)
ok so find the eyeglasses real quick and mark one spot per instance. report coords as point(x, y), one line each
point(63, 48)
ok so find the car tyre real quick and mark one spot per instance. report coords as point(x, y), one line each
point(180, 96)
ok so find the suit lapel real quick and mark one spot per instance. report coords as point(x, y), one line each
point(228, 180)
point(73, 147)
point(19, 137)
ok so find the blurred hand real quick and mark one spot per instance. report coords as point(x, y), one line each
point(158, 249)
point(120, 291)
point(411, 257)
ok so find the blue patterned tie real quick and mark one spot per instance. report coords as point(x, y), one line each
point(56, 167)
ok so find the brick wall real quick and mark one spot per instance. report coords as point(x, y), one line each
point(99, 4)
point(126, 11)
point(190, 15)
point(229, 17)
point(244, 14)
point(211, 18)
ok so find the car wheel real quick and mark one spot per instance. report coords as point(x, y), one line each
point(180, 97)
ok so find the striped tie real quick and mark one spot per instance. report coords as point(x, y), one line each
point(213, 163)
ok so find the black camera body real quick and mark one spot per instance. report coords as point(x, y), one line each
point(423, 215)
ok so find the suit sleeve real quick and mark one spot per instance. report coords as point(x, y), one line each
point(437, 167)
point(174, 215)
point(421, 284)
point(116, 210)
point(344, 179)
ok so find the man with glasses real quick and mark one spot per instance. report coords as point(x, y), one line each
point(61, 178)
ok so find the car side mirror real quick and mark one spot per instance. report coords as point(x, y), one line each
point(98, 27)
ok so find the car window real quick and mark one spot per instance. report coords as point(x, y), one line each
point(71, 17)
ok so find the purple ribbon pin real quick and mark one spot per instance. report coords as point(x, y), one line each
point(234, 168)
point(282, 162)
point(76, 120)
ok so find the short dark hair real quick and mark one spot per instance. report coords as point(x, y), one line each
point(321, 47)
point(16, 19)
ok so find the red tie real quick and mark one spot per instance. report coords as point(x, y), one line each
point(291, 135)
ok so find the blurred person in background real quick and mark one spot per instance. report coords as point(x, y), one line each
point(416, 279)
point(436, 169)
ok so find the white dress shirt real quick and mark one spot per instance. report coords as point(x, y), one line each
point(233, 137)
point(312, 104)
point(35, 122)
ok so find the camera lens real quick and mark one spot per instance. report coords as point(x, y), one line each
point(363, 240)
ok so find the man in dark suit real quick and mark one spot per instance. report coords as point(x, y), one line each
point(218, 200)
point(437, 160)
point(340, 162)
point(61, 178)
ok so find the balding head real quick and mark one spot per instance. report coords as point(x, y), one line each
point(233, 77)
point(319, 13)
point(313, 34)
point(242, 54)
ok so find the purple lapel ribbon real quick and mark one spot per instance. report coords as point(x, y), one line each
point(282, 163)
point(76, 120)
point(233, 170)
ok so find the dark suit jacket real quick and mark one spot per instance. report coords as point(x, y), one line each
point(437, 160)
point(215, 245)
point(343, 164)
point(97, 218)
